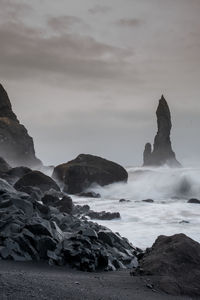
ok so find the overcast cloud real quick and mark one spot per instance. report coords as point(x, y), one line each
point(86, 78)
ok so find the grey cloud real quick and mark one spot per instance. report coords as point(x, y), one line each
point(63, 23)
point(99, 9)
point(26, 52)
point(13, 10)
point(125, 22)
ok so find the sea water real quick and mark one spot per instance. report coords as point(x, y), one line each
point(142, 222)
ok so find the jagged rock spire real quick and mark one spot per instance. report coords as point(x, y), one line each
point(5, 105)
point(16, 146)
point(162, 150)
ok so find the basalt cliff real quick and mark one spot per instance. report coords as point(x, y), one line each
point(16, 146)
point(162, 153)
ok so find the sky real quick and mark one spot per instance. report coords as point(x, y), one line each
point(85, 76)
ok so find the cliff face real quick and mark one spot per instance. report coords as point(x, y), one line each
point(16, 146)
point(162, 150)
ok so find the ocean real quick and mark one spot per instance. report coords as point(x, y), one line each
point(142, 222)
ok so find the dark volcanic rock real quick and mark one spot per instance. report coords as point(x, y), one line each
point(89, 195)
point(5, 187)
point(15, 173)
point(32, 231)
point(4, 166)
point(49, 199)
point(34, 192)
point(193, 200)
point(162, 150)
point(103, 215)
point(16, 146)
point(147, 154)
point(65, 204)
point(148, 200)
point(124, 200)
point(19, 172)
point(80, 173)
point(36, 179)
point(175, 263)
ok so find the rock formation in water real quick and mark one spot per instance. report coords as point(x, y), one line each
point(79, 174)
point(162, 152)
point(16, 146)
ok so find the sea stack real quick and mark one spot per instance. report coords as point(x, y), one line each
point(16, 146)
point(162, 153)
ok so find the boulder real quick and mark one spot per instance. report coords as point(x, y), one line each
point(175, 263)
point(124, 200)
point(31, 230)
point(86, 170)
point(13, 174)
point(162, 152)
point(39, 226)
point(37, 179)
point(90, 195)
point(148, 200)
point(65, 204)
point(18, 172)
point(23, 204)
point(103, 215)
point(49, 200)
point(193, 200)
point(34, 192)
point(6, 187)
point(16, 146)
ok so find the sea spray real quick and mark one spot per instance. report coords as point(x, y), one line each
point(142, 222)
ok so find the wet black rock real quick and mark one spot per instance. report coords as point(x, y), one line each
point(124, 200)
point(15, 174)
point(148, 200)
point(90, 195)
point(162, 152)
point(184, 222)
point(81, 209)
point(50, 199)
point(79, 174)
point(103, 215)
point(34, 192)
point(38, 180)
point(32, 230)
point(16, 146)
point(18, 172)
point(193, 200)
point(65, 204)
point(5, 187)
point(175, 263)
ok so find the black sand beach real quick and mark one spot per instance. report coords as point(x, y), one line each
point(21, 281)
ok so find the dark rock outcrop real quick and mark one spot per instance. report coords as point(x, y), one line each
point(36, 179)
point(80, 173)
point(15, 174)
point(90, 195)
point(175, 263)
point(4, 166)
point(194, 200)
point(31, 230)
point(16, 146)
point(162, 152)
point(103, 215)
point(124, 200)
point(65, 205)
point(148, 200)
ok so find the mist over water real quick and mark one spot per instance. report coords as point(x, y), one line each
point(142, 222)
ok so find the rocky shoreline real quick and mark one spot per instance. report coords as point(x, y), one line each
point(39, 221)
